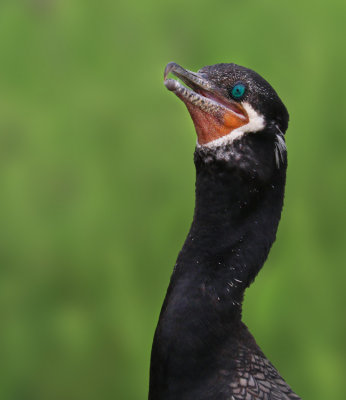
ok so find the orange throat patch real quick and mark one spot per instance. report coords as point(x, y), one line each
point(210, 127)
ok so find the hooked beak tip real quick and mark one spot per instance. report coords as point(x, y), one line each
point(169, 67)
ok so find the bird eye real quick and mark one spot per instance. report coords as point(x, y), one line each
point(238, 90)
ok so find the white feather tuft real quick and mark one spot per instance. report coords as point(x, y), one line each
point(280, 148)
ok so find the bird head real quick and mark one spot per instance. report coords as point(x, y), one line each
point(230, 104)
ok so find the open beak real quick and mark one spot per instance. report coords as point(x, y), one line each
point(213, 114)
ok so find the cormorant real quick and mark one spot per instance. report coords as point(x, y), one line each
point(202, 350)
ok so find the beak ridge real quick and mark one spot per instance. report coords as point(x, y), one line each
point(192, 79)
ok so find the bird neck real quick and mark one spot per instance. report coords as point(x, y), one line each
point(236, 217)
point(235, 222)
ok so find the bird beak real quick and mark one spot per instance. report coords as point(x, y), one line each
point(213, 114)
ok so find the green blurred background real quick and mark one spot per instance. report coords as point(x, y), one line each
point(97, 187)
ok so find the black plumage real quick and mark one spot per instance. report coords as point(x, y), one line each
point(201, 348)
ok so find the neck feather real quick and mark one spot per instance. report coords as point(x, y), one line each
point(237, 211)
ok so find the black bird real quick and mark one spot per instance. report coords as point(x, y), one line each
point(202, 350)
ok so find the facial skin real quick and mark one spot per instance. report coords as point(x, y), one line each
point(226, 101)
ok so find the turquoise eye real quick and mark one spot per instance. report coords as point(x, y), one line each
point(238, 91)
